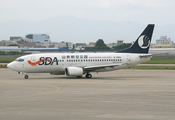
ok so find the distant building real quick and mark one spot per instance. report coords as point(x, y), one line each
point(47, 42)
point(37, 37)
point(7, 42)
point(92, 44)
point(110, 45)
point(69, 45)
point(163, 40)
point(119, 42)
point(59, 45)
point(13, 38)
point(80, 45)
point(23, 44)
point(62, 44)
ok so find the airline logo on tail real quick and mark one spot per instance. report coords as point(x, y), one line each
point(44, 61)
point(144, 41)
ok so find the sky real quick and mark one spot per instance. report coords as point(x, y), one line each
point(160, 12)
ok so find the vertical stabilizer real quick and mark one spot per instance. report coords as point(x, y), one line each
point(143, 42)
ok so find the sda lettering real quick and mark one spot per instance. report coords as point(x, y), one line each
point(48, 61)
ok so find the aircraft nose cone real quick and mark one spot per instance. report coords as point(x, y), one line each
point(10, 65)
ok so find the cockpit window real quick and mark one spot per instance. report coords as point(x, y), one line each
point(19, 60)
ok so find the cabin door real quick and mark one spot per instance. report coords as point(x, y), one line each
point(128, 59)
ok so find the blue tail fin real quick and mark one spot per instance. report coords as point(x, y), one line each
point(143, 42)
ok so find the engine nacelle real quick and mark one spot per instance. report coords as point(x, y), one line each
point(74, 71)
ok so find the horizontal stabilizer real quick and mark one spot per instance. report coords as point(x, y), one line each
point(145, 55)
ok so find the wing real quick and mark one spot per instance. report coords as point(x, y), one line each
point(97, 67)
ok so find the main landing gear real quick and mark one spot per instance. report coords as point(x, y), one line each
point(26, 76)
point(88, 75)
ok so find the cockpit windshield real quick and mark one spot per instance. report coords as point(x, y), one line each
point(19, 60)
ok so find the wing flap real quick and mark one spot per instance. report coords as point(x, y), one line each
point(92, 68)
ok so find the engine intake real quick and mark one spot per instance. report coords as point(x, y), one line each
point(74, 71)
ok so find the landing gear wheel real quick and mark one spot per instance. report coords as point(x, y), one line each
point(88, 76)
point(26, 76)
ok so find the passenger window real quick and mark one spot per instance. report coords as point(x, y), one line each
point(63, 57)
point(85, 56)
point(77, 56)
point(81, 56)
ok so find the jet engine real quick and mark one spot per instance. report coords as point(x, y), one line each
point(74, 71)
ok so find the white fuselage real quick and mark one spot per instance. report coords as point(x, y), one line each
point(78, 64)
point(56, 63)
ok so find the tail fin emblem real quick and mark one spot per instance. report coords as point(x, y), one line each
point(144, 42)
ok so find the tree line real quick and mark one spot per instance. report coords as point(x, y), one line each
point(10, 53)
point(101, 46)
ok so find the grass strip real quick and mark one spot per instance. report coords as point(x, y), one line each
point(3, 66)
point(153, 67)
point(166, 61)
point(7, 58)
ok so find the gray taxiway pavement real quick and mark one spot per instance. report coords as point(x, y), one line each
point(124, 94)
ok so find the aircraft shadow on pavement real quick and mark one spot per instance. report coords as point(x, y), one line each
point(95, 78)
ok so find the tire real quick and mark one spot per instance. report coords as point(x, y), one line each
point(26, 76)
point(88, 76)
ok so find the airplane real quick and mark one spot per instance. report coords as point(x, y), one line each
point(78, 64)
